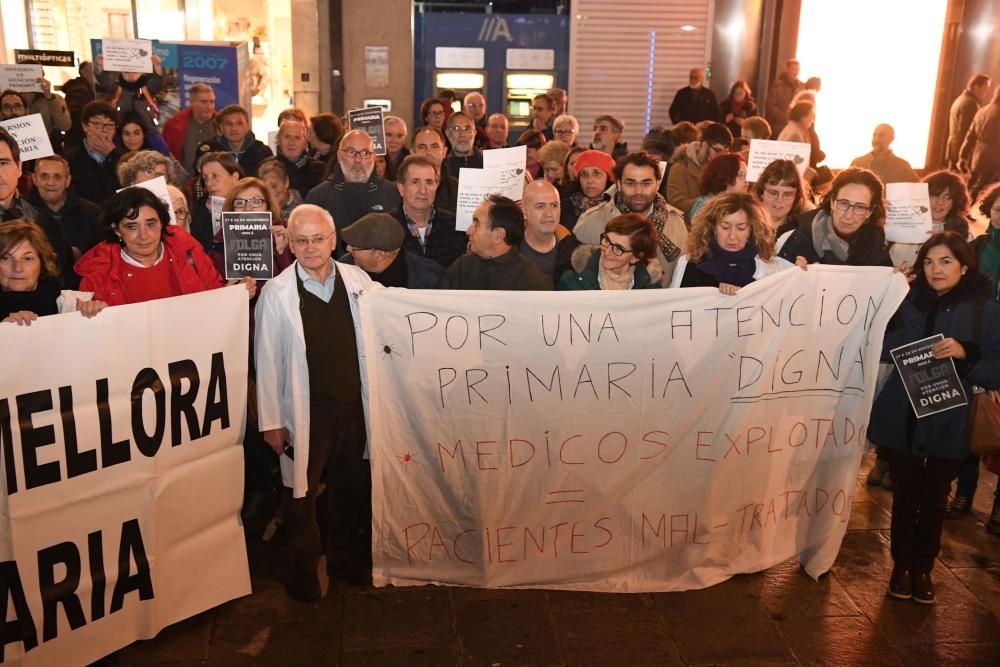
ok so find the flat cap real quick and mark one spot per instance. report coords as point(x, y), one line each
point(375, 231)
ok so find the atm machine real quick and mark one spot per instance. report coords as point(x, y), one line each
point(519, 88)
point(462, 82)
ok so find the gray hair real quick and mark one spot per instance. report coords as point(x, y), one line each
point(130, 167)
point(303, 210)
point(566, 119)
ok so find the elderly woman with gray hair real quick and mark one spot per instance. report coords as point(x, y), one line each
point(139, 166)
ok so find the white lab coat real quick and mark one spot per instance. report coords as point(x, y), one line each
point(282, 369)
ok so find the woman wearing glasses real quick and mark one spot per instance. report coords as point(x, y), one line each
point(623, 260)
point(432, 113)
point(847, 228)
point(730, 245)
point(779, 188)
point(251, 195)
point(566, 128)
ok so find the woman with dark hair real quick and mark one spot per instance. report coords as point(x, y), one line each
point(219, 173)
point(847, 228)
point(29, 277)
point(801, 117)
point(726, 172)
point(325, 131)
point(534, 140)
point(623, 260)
point(950, 297)
point(780, 189)
point(569, 168)
point(730, 245)
point(739, 106)
point(134, 136)
point(594, 173)
point(949, 199)
point(143, 257)
point(432, 113)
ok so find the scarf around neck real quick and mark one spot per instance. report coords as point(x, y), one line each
point(41, 301)
point(658, 216)
point(825, 239)
point(728, 266)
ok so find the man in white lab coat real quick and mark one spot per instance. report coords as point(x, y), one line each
point(312, 401)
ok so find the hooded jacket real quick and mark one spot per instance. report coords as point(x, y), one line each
point(684, 177)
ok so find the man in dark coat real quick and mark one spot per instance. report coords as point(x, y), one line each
point(236, 139)
point(695, 102)
point(430, 143)
point(304, 172)
point(53, 196)
point(354, 188)
point(462, 136)
point(963, 110)
point(429, 230)
point(546, 244)
point(375, 243)
point(94, 163)
point(493, 261)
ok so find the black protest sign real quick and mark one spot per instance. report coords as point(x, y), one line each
point(932, 385)
point(43, 57)
point(249, 248)
point(370, 120)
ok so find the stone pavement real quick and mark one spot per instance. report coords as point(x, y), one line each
point(776, 617)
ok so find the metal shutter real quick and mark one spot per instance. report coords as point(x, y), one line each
point(629, 57)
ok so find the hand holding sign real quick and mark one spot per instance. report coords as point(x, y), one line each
point(908, 213)
point(764, 151)
point(127, 55)
point(31, 136)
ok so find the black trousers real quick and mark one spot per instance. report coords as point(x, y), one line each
point(336, 450)
point(919, 498)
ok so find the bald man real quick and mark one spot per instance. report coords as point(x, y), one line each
point(547, 244)
point(887, 165)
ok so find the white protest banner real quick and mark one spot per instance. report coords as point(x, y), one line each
point(127, 55)
point(765, 151)
point(908, 213)
point(31, 136)
point(122, 474)
point(511, 163)
point(619, 441)
point(22, 78)
point(158, 186)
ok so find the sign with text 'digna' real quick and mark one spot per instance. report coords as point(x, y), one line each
point(908, 213)
point(31, 136)
point(764, 151)
point(248, 245)
point(931, 384)
point(371, 121)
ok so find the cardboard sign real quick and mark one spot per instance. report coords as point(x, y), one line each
point(22, 78)
point(31, 136)
point(765, 151)
point(127, 55)
point(44, 57)
point(130, 512)
point(371, 121)
point(908, 213)
point(932, 385)
point(649, 440)
point(248, 245)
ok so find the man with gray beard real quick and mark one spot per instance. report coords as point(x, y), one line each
point(354, 188)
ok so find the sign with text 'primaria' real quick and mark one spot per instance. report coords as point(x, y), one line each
point(121, 474)
point(651, 440)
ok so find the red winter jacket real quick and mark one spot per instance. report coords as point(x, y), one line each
point(174, 131)
point(104, 272)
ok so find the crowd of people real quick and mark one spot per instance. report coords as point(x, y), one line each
point(595, 215)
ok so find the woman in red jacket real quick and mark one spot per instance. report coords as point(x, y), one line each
point(143, 257)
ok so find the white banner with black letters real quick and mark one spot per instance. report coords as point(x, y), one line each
point(651, 440)
point(121, 474)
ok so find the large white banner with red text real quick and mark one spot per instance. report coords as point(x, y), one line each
point(121, 474)
point(651, 440)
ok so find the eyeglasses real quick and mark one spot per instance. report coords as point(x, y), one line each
point(97, 125)
point(771, 193)
point(461, 129)
point(364, 154)
point(153, 171)
point(616, 249)
point(302, 242)
point(240, 202)
point(181, 214)
point(17, 106)
point(859, 209)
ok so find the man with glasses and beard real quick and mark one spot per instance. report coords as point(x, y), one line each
point(461, 131)
point(354, 188)
point(636, 176)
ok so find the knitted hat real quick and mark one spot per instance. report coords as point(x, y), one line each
point(598, 159)
point(375, 231)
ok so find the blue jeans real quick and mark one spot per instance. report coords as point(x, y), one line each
point(968, 477)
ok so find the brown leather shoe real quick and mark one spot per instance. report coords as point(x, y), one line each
point(923, 588)
point(900, 585)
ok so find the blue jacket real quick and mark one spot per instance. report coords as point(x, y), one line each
point(943, 435)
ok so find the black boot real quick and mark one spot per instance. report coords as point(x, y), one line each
point(923, 588)
point(900, 584)
point(304, 584)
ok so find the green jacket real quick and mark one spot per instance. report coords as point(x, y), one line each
point(587, 278)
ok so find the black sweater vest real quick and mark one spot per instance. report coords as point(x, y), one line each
point(331, 348)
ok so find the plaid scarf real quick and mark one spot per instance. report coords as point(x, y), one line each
point(658, 216)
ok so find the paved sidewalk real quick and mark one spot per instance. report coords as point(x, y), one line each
point(777, 617)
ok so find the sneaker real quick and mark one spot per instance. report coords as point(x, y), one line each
point(900, 584)
point(877, 473)
point(958, 506)
point(993, 525)
point(923, 588)
point(887, 482)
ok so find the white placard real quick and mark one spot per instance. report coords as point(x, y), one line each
point(218, 205)
point(272, 141)
point(474, 185)
point(22, 78)
point(459, 58)
point(663, 169)
point(158, 186)
point(649, 440)
point(134, 505)
point(908, 213)
point(512, 165)
point(127, 55)
point(31, 136)
point(531, 59)
point(765, 151)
